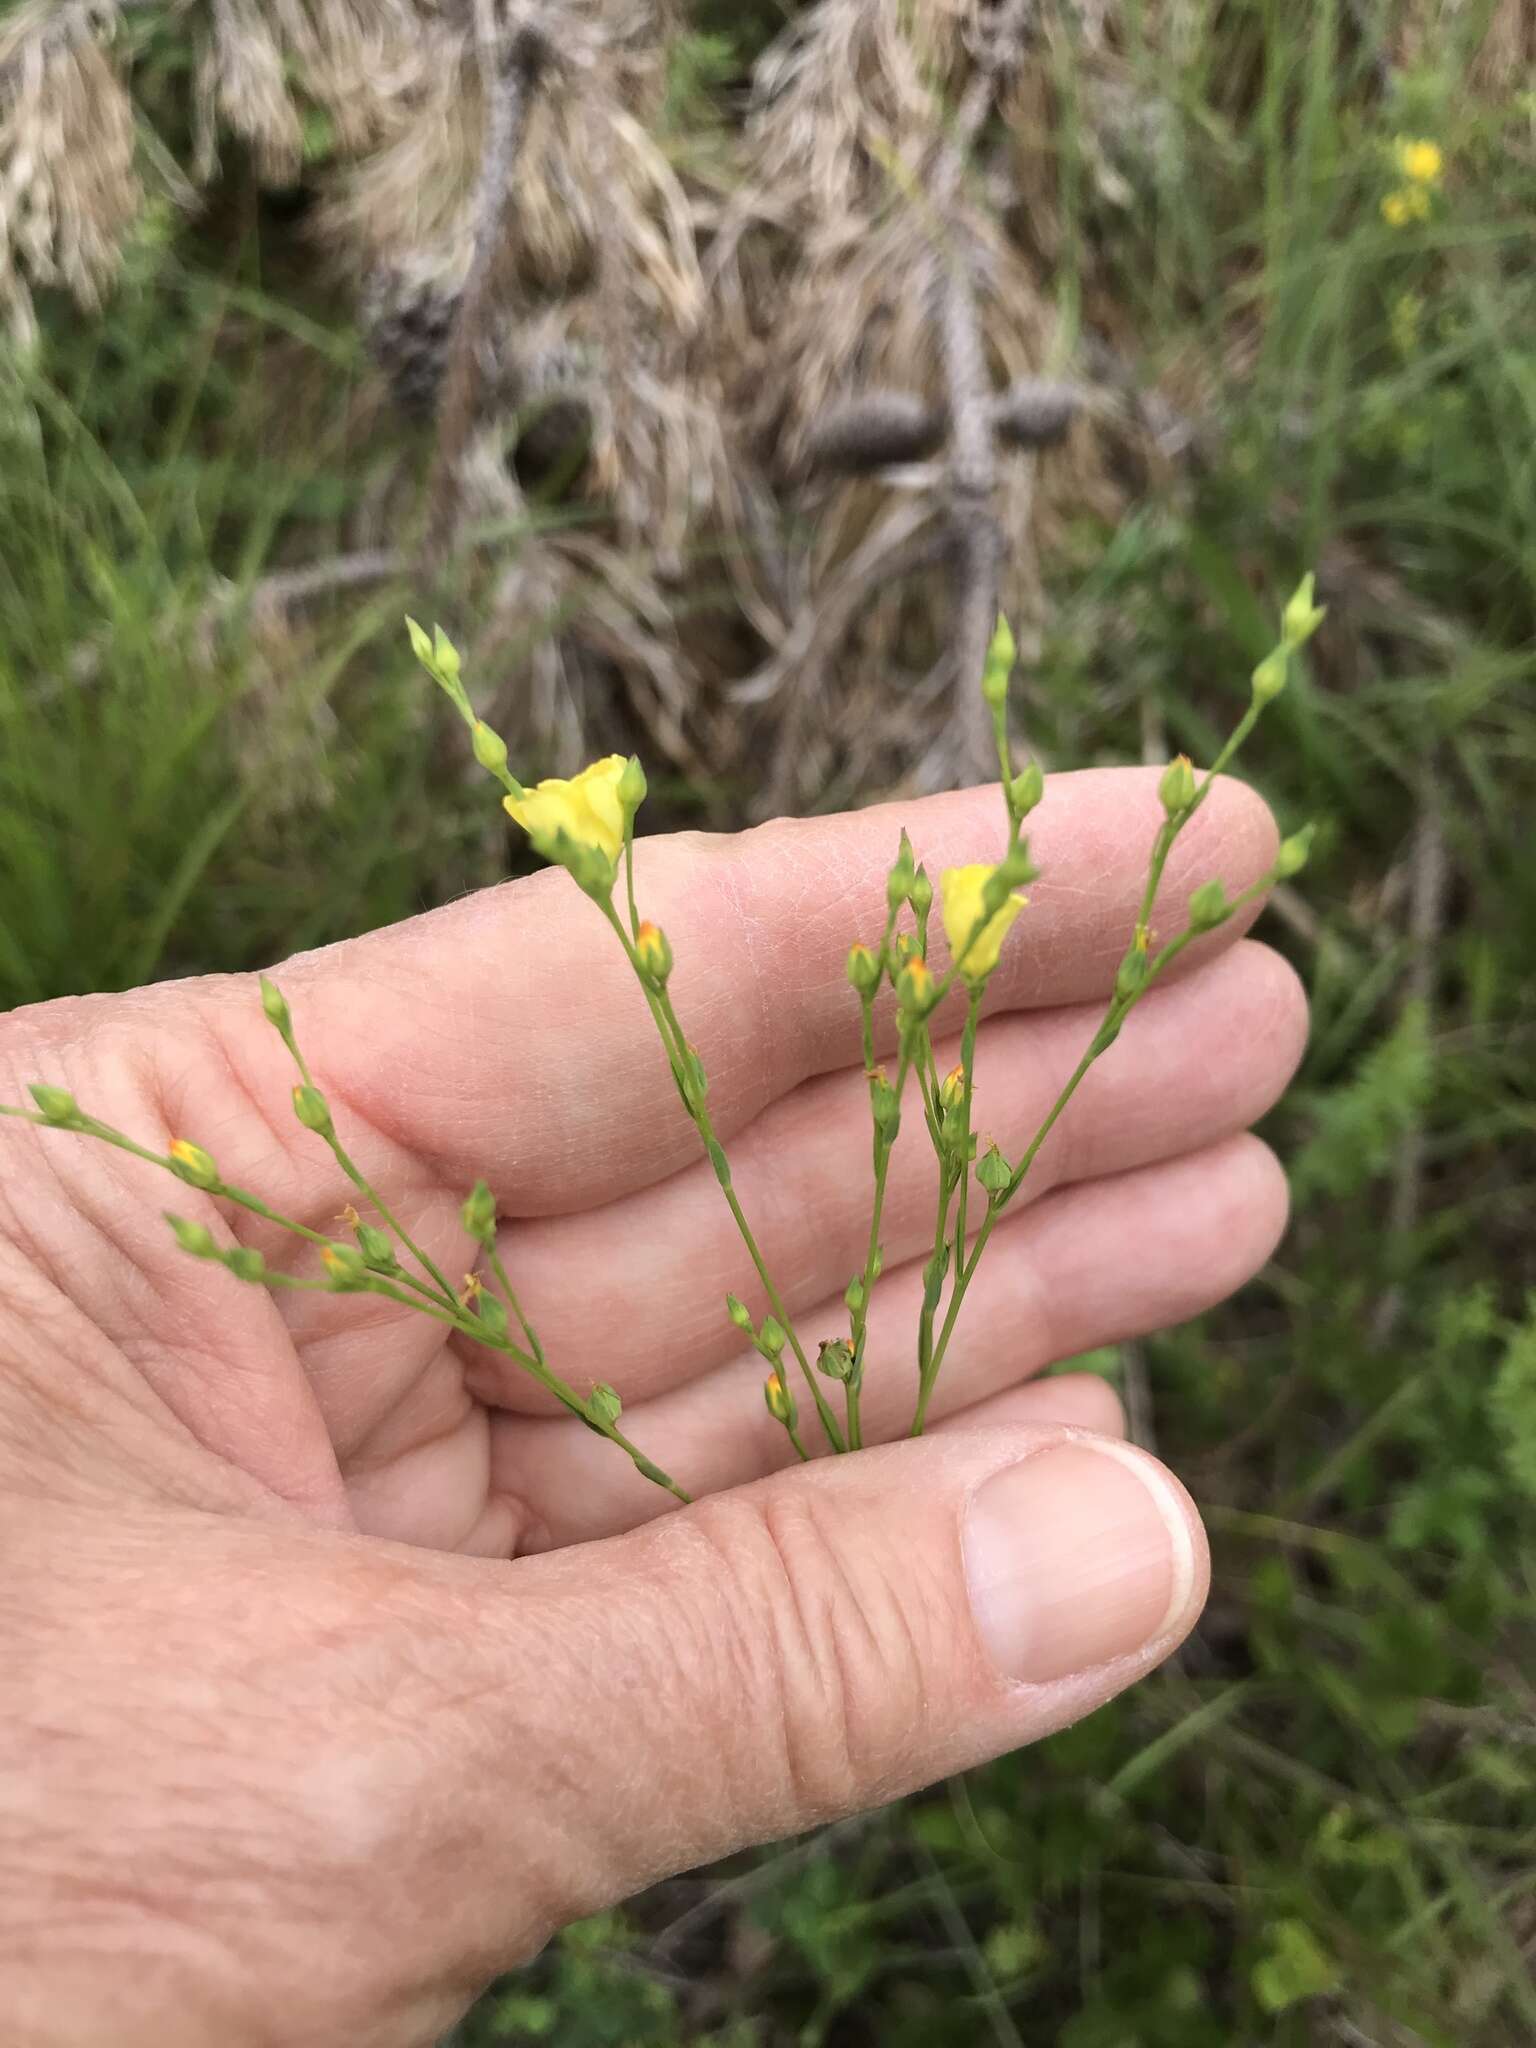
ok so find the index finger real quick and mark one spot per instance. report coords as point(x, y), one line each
point(505, 1035)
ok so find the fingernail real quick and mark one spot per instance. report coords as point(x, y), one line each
point(1074, 1557)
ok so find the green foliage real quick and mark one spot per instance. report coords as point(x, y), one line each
point(1319, 1821)
point(1513, 1401)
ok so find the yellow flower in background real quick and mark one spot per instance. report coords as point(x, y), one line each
point(1421, 163)
point(1410, 203)
point(963, 890)
point(588, 809)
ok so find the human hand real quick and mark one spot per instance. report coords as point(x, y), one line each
point(295, 1753)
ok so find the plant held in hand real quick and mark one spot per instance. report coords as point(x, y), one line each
point(586, 826)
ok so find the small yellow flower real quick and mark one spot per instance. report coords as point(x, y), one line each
point(1420, 162)
point(1410, 203)
point(588, 809)
point(963, 906)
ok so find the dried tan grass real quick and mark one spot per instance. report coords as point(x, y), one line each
point(69, 191)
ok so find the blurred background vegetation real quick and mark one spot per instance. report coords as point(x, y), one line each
point(217, 453)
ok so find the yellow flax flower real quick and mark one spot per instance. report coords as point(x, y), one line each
point(1420, 162)
point(962, 892)
point(588, 809)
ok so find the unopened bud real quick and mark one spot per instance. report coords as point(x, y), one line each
point(780, 1401)
point(1134, 968)
point(915, 988)
point(855, 1295)
point(654, 952)
point(739, 1314)
point(1026, 789)
point(56, 1104)
point(771, 1337)
point(1269, 678)
point(193, 1165)
point(478, 1215)
point(195, 1238)
point(312, 1109)
point(1208, 907)
point(632, 786)
point(344, 1268)
point(1177, 788)
point(863, 970)
point(1301, 617)
point(275, 1006)
point(492, 1315)
point(490, 748)
point(885, 1106)
point(604, 1405)
point(378, 1253)
point(922, 895)
point(1294, 853)
point(952, 1089)
point(898, 883)
point(998, 670)
point(246, 1263)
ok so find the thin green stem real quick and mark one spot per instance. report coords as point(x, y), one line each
point(1103, 1038)
point(859, 1330)
point(629, 875)
point(677, 1050)
point(503, 1281)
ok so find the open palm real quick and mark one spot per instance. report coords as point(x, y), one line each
point(504, 1037)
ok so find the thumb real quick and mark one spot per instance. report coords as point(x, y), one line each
point(819, 1642)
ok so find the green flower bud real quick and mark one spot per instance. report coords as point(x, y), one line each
point(275, 1006)
point(998, 671)
point(421, 646)
point(863, 970)
point(884, 1106)
point(1012, 872)
point(1269, 678)
point(378, 1253)
point(604, 1405)
point(695, 1081)
point(445, 656)
point(492, 1315)
point(312, 1110)
point(490, 748)
point(780, 1401)
point(193, 1165)
point(195, 1238)
point(1177, 788)
point(771, 1337)
point(835, 1359)
point(1026, 789)
point(1301, 618)
point(632, 786)
point(933, 1278)
point(1294, 853)
point(654, 952)
point(994, 1172)
point(922, 895)
point(478, 1214)
point(855, 1295)
point(1134, 968)
point(898, 886)
point(246, 1263)
point(344, 1268)
point(739, 1314)
point(916, 989)
point(56, 1104)
point(1208, 907)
